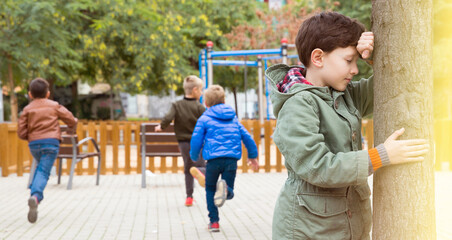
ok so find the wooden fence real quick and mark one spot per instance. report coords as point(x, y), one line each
point(119, 143)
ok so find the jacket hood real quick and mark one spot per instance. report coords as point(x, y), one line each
point(221, 111)
point(276, 74)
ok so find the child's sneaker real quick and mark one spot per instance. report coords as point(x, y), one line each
point(221, 193)
point(214, 227)
point(196, 173)
point(33, 212)
point(189, 201)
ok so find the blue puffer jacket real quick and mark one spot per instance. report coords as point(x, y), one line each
point(220, 134)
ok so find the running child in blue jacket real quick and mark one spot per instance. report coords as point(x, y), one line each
point(219, 133)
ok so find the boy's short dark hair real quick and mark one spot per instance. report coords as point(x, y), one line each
point(214, 95)
point(39, 88)
point(327, 31)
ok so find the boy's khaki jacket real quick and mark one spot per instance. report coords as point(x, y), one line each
point(318, 130)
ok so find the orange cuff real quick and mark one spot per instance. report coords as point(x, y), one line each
point(375, 159)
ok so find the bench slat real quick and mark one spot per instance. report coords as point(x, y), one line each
point(163, 154)
point(162, 150)
point(149, 127)
point(65, 150)
point(67, 139)
point(160, 137)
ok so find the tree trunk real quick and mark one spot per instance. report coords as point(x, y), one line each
point(51, 82)
point(112, 116)
point(75, 103)
point(403, 195)
point(234, 91)
point(12, 93)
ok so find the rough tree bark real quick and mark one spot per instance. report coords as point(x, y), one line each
point(403, 195)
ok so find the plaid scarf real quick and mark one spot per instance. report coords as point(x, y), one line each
point(293, 76)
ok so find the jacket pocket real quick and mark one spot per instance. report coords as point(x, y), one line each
point(363, 191)
point(323, 205)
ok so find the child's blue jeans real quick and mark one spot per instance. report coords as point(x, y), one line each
point(45, 155)
point(227, 167)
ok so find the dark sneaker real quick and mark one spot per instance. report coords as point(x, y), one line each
point(221, 193)
point(196, 173)
point(189, 201)
point(33, 212)
point(214, 227)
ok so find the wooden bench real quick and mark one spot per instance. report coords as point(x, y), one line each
point(156, 144)
point(69, 149)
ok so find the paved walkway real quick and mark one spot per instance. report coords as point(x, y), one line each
point(120, 209)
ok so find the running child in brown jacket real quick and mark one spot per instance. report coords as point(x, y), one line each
point(38, 124)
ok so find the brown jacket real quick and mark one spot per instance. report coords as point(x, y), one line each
point(39, 120)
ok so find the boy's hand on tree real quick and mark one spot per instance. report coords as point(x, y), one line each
point(404, 151)
point(254, 163)
point(365, 44)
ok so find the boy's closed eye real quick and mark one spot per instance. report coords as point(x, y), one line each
point(349, 57)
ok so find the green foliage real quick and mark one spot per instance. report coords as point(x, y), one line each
point(233, 78)
point(140, 45)
point(152, 45)
point(35, 41)
point(147, 44)
point(359, 9)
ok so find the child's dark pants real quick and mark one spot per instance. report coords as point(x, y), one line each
point(227, 167)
